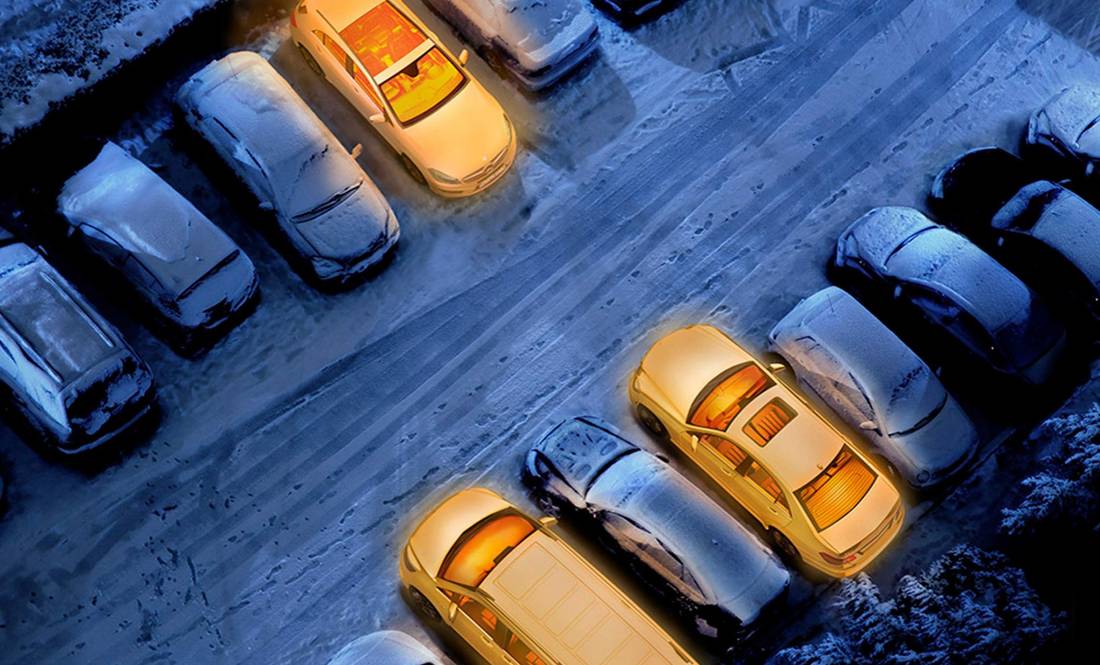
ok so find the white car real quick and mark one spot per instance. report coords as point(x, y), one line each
point(449, 132)
point(856, 366)
point(334, 217)
point(386, 647)
point(538, 41)
point(195, 279)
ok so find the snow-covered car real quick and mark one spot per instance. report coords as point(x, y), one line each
point(335, 219)
point(1041, 230)
point(701, 560)
point(856, 366)
point(1065, 132)
point(516, 592)
point(447, 129)
point(630, 11)
point(956, 288)
point(539, 42)
point(195, 279)
point(73, 380)
point(385, 647)
point(819, 497)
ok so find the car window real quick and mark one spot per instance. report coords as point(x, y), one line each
point(334, 47)
point(837, 489)
point(365, 84)
point(483, 546)
point(381, 37)
point(423, 86)
point(852, 394)
point(726, 448)
point(720, 402)
point(768, 421)
point(766, 483)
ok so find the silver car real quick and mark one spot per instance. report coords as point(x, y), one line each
point(334, 217)
point(538, 41)
point(74, 381)
point(847, 358)
point(1066, 132)
point(195, 279)
point(386, 647)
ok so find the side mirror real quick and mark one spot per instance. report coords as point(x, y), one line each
point(548, 521)
point(452, 611)
point(356, 151)
point(694, 442)
point(778, 368)
point(377, 119)
point(464, 57)
point(868, 426)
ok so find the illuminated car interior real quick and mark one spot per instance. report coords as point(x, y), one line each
point(494, 628)
point(728, 394)
point(484, 546)
point(418, 89)
point(836, 490)
point(768, 421)
point(382, 37)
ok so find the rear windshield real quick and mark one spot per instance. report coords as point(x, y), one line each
point(728, 394)
point(837, 490)
point(485, 545)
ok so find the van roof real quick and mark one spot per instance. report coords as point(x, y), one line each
point(572, 611)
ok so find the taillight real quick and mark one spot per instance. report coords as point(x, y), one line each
point(294, 18)
point(834, 560)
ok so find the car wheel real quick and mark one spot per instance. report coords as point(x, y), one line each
point(423, 606)
point(311, 61)
point(413, 170)
point(785, 546)
point(652, 423)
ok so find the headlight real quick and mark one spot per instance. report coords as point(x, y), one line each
point(443, 177)
point(924, 476)
point(325, 267)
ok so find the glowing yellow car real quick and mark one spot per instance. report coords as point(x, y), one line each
point(449, 131)
point(516, 593)
point(817, 495)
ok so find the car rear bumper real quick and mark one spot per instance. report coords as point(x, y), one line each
point(565, 65)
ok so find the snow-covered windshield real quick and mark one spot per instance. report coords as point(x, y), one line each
point(532, 24)
point(315, 179)
point(328, 204)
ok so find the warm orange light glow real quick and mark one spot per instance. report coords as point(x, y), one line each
point(478, 553)
point(416, 90)
point(768, 421)
point(718, 409)
point(381, 37)
point(837, 490)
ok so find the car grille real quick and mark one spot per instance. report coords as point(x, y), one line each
point(491, 169)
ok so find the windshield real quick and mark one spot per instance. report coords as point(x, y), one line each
point(723, 399)
point(485, 545)
point(836, 490)
point(328, 204)
point(314, 179)
point(420, 88)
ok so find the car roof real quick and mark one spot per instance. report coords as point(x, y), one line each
point(120, 197)
point(727, 560)
point(385, 647)
point(51, 318)
point(581, 448)
point(572, 611)
point(883, 365)
point(441, 529)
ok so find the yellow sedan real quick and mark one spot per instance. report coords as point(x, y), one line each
point(818, 496)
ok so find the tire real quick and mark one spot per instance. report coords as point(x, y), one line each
point(785, 547)
point(311, 62)
point(651, 422)
point(413, 170)
point(423, 606)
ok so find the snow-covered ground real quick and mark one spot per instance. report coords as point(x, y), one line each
point(700, 169)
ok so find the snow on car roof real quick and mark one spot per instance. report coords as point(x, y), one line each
point(37, 303)
point(721, 554)
point(121, 198)
point(894, 377)
point(1072, 112)
point(1062, 220)
point(992, 294)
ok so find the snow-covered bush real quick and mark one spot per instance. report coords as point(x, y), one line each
point(1065, 495)
point(970, 606)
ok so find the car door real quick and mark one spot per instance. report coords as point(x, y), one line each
point(720, 458)
point(480, 627)
point(764, 496)
point(652, 553)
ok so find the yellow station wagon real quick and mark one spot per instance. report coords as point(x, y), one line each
point(519, 595)
point(819, 497)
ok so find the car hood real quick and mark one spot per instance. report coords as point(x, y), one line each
point(942, 442)
point(550, 40)
point(463, 135)
point(351, 229)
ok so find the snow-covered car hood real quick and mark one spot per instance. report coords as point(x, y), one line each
point(464, 134)
point(580, 448)
point(538, 33)
point(122, 199)
point(350, 230)
point(726, 559)
point(1073, 119)
point(943, 441)
point(879, 232)
point(386, 647)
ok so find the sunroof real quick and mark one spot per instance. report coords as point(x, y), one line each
point(382, 37)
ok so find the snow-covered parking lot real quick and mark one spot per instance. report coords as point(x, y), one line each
point(699, 169)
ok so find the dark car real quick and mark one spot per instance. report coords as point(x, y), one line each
point(73, 380)
point(1043, 231)
point(955, 287)
point(1065, 133)
point(195, 280)
point(698, 557)
point(630, 11)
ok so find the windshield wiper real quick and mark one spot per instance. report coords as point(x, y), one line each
point(328, 204)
